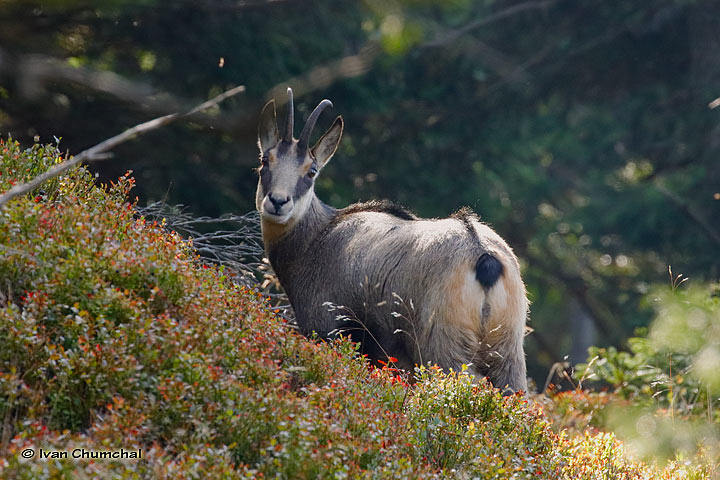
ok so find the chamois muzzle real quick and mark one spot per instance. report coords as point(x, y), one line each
point(277, 208)
point(278, 202)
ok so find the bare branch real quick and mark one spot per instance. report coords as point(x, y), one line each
point(33, 73)
point(97, 152)
point(324, 75)
point(510, 71)
point(356, 65)
point(235, 243)
point(693, 214)
point(452, 35)
point(235, 5)
point(507, 68)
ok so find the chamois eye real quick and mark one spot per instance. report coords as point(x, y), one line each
point(312, 172)
point(264, 160)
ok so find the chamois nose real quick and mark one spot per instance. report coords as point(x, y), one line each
point(278, 202)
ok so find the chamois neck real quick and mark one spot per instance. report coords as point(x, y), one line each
point(286, 252)
point(317, 216)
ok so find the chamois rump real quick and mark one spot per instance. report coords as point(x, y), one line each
point(446, 291)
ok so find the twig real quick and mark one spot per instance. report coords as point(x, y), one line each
point(215, 100)
point(97, 152)
point(559, 369)
point(691, 213)
point(235, 242)
point(324, 75)
point(502, 14)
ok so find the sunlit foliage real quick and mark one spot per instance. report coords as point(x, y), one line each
point(116, 335)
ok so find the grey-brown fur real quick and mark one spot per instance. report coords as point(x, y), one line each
point(402, 286)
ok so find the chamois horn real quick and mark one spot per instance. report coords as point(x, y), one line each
point(312, 119)
point(290, 121)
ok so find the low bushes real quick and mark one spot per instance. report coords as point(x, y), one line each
point(116, 337)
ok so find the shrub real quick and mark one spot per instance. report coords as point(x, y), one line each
point(116, 335)
point(668, 378)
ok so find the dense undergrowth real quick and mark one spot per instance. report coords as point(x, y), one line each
point(666, 385)
point(115, 335)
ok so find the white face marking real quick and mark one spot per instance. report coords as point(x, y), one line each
point(281, 179)
point(268, 212)
point(295, 211)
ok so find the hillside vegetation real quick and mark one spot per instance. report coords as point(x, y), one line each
point(584, 131)
point(115, 335)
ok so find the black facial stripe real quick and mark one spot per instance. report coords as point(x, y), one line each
point(265, 179)
point(282, 149)
point(302, 186)
point(301, 152)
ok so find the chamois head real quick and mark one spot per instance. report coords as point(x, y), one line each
point(288, 166)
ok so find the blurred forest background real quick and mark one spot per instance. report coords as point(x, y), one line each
point(584, 131)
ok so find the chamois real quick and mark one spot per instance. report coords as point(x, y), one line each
point(446, 291)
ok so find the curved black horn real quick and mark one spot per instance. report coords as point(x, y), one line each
point(290, 122)
point(312, 119)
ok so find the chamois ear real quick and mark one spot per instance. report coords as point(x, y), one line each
point(325, 148)
point(268, 135)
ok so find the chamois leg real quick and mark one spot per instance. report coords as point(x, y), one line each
point(506, 363)
point(505, 312)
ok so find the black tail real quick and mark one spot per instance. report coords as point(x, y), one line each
point(487, 270)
